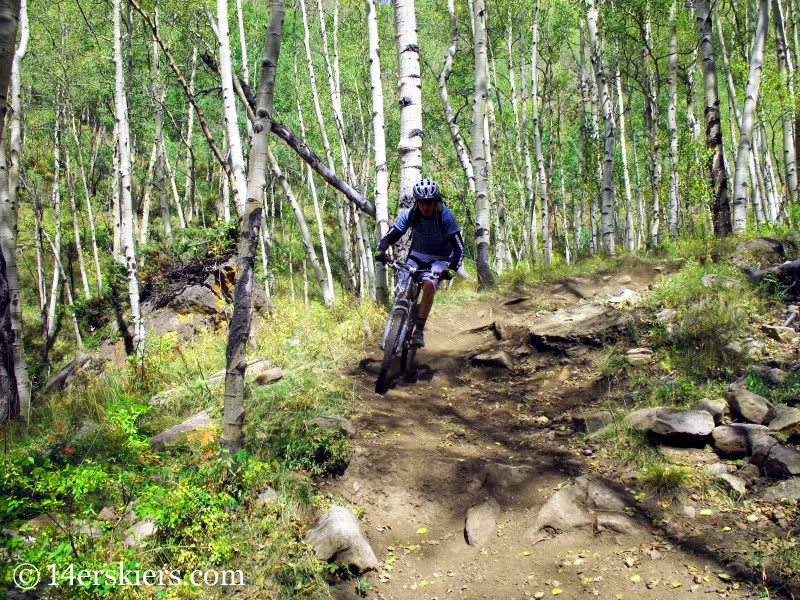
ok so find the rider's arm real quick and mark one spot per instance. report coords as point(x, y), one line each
point(458, 250)
point(395, 232)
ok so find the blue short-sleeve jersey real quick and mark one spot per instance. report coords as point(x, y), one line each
point(430, 235)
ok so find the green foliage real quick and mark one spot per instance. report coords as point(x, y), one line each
point(664, 480)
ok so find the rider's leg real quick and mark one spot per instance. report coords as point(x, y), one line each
point(423, 310)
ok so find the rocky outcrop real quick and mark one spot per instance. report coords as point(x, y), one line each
point(201, 419)
point(749, 406)
point(500, 360)
point(481, 522)
point(738, 439)
point(672, 423)
point(337, 537)
point(587, 324)
point(79, 369)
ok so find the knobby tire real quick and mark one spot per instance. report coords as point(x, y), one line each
point(388, 353)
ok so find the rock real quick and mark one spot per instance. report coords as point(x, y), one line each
point(578, 324)
point(267, 496)
point(337, 536)
point(752, 347)
point(627, 296)
point(666, 315)
point(716, 407)
point(269, 376)
point(690, 511)
point(481, 522)
point(41, 522)
point(759, 251)
point(615, 522)
point(731, 483)
point(718, 469)
point(674, 422)
point(599, 496)
point(201, 419)
point(500, 330)
point(334, 422)
point(107, 514)
point(542, 420)
point(91, 528)
point(761, 447)
point(734, 346)
point(787, 422)
point(776, 376)
point(751, 407)
point(83, 365)
point(563, 511)
point(642, 419)
point(253, 366)
point(140, 531)
point(737, 439)
point(637, 356)
point(624, 280)
point(748, 472)
point(782, 462)
point(591, 421)
point(492, 359)
point(789, 489)
point(779, 333)
point(688, 456)
point(164, 397)
point(711, 280)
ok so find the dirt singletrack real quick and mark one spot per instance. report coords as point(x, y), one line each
point(430, 449)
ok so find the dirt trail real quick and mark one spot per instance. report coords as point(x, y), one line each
point(429, 450)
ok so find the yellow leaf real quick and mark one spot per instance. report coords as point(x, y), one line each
point(422, 531)
point(635, 578)
point(705, 512)
point(676, 584)
point(526, 553)
point(557, 591)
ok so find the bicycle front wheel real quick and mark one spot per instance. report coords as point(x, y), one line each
point(390, 344)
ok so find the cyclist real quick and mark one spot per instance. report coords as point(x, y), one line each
point(436, 246)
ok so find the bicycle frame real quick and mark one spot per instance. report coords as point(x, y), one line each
point(405, 303)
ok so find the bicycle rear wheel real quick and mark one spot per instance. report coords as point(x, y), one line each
point(388, 351)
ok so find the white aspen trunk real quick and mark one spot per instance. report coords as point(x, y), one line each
point(266, 242)
point(564, 224)
point(577, 231)
point(629, 236)
point(511, 80)
point(651, 119)
point(9, 211)
point(455, 133)
point(760, 175)
point(595, 137)
point(529, 236)
point(313, 188)
point(59, 267)
point(245, 69)
point(224, 184)
point(305, 281)
point(786, 74)
point(37, 240)
point(305, 235)
point(88, 198)
point(482, 238)
point(600, 73)
point(75, 229)
point(534, 234)
point(121, 116)
point(672, 121)
point(770, 176)
point(144, 223)
point(640, 198)
point(115, 199)
point(55, 198)
point(343, 230)
point(229, 108)
point(379, 149)
point(189, 185)
point(746, 128)
point(173, 185)
point(547, 244)
point(411, 132)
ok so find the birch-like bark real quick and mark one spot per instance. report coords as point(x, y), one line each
point(379, 148)
point(305, 235)
point(173, 185)
point(88, 198)
point(55, 199)
point(9, 18)
point(786, 74)
point(410, 92)
point(609, 151)
point(485, 277)
point(651, 121)
point(229, 105)
point(243, 48)
point(250, 222)
point(455, 132)
point(189, 184)
point(511, 79)
point(530, 237)
point(629, 236)
point(547, 244)
point(748, 111)
point(121, 117)
point(116, 214)
point(577, 231)
point(75, 229)
point(672, 120)
point(67, 287)
point(564, 224)
point(716, 167)
point(15, 387)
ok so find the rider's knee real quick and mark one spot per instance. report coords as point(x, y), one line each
point(428, 286)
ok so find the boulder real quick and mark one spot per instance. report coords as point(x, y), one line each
point(711, 280)
point(749, 406)
point(140, 531)
point(786, 422)
point(627, 297)
point(334, 422)
point(615, 522)
point(642, 419)
point(779, 333)
point(731, 483)
point(84, 365)
point(481, 522)
point(761, 447)
point(197, 299)
point(578, 324)
point(737, 439)
point(760, 252)
point(776, 376)
point(781, 462)
point(337, 536)
point(492, 359)
point(201, 419)
point(666, 315)
point(716, 407)
point(789, 489)
point(107, 514)
point(266, 496)
point(590, 421)
point(637, 356)
point(269, 376)
point(672, 422)
point(718, 469)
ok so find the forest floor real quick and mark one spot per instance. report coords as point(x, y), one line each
point(429, 450)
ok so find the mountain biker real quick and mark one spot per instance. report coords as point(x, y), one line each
point(436, 246)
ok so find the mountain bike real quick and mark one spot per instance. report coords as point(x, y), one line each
point(400, 325)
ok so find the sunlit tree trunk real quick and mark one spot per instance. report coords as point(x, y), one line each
point(243, 48)
point(672, 121)
point(75, 229)
point(529, 234)
point(55, 198)
point(379, 146)
point(629, 235)
point(189, 184)
point(67, 287)
point(547, 243)
point(564, 224)
point(719, 180)
point(786, 74)
point(748, 111)
point(121, 116)
point(250, 222)
point(651, 123)
point(485, 277)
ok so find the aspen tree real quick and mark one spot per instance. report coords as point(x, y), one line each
point(786, 74)
point(672, 121)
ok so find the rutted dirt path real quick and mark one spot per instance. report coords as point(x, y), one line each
point(429, 450)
